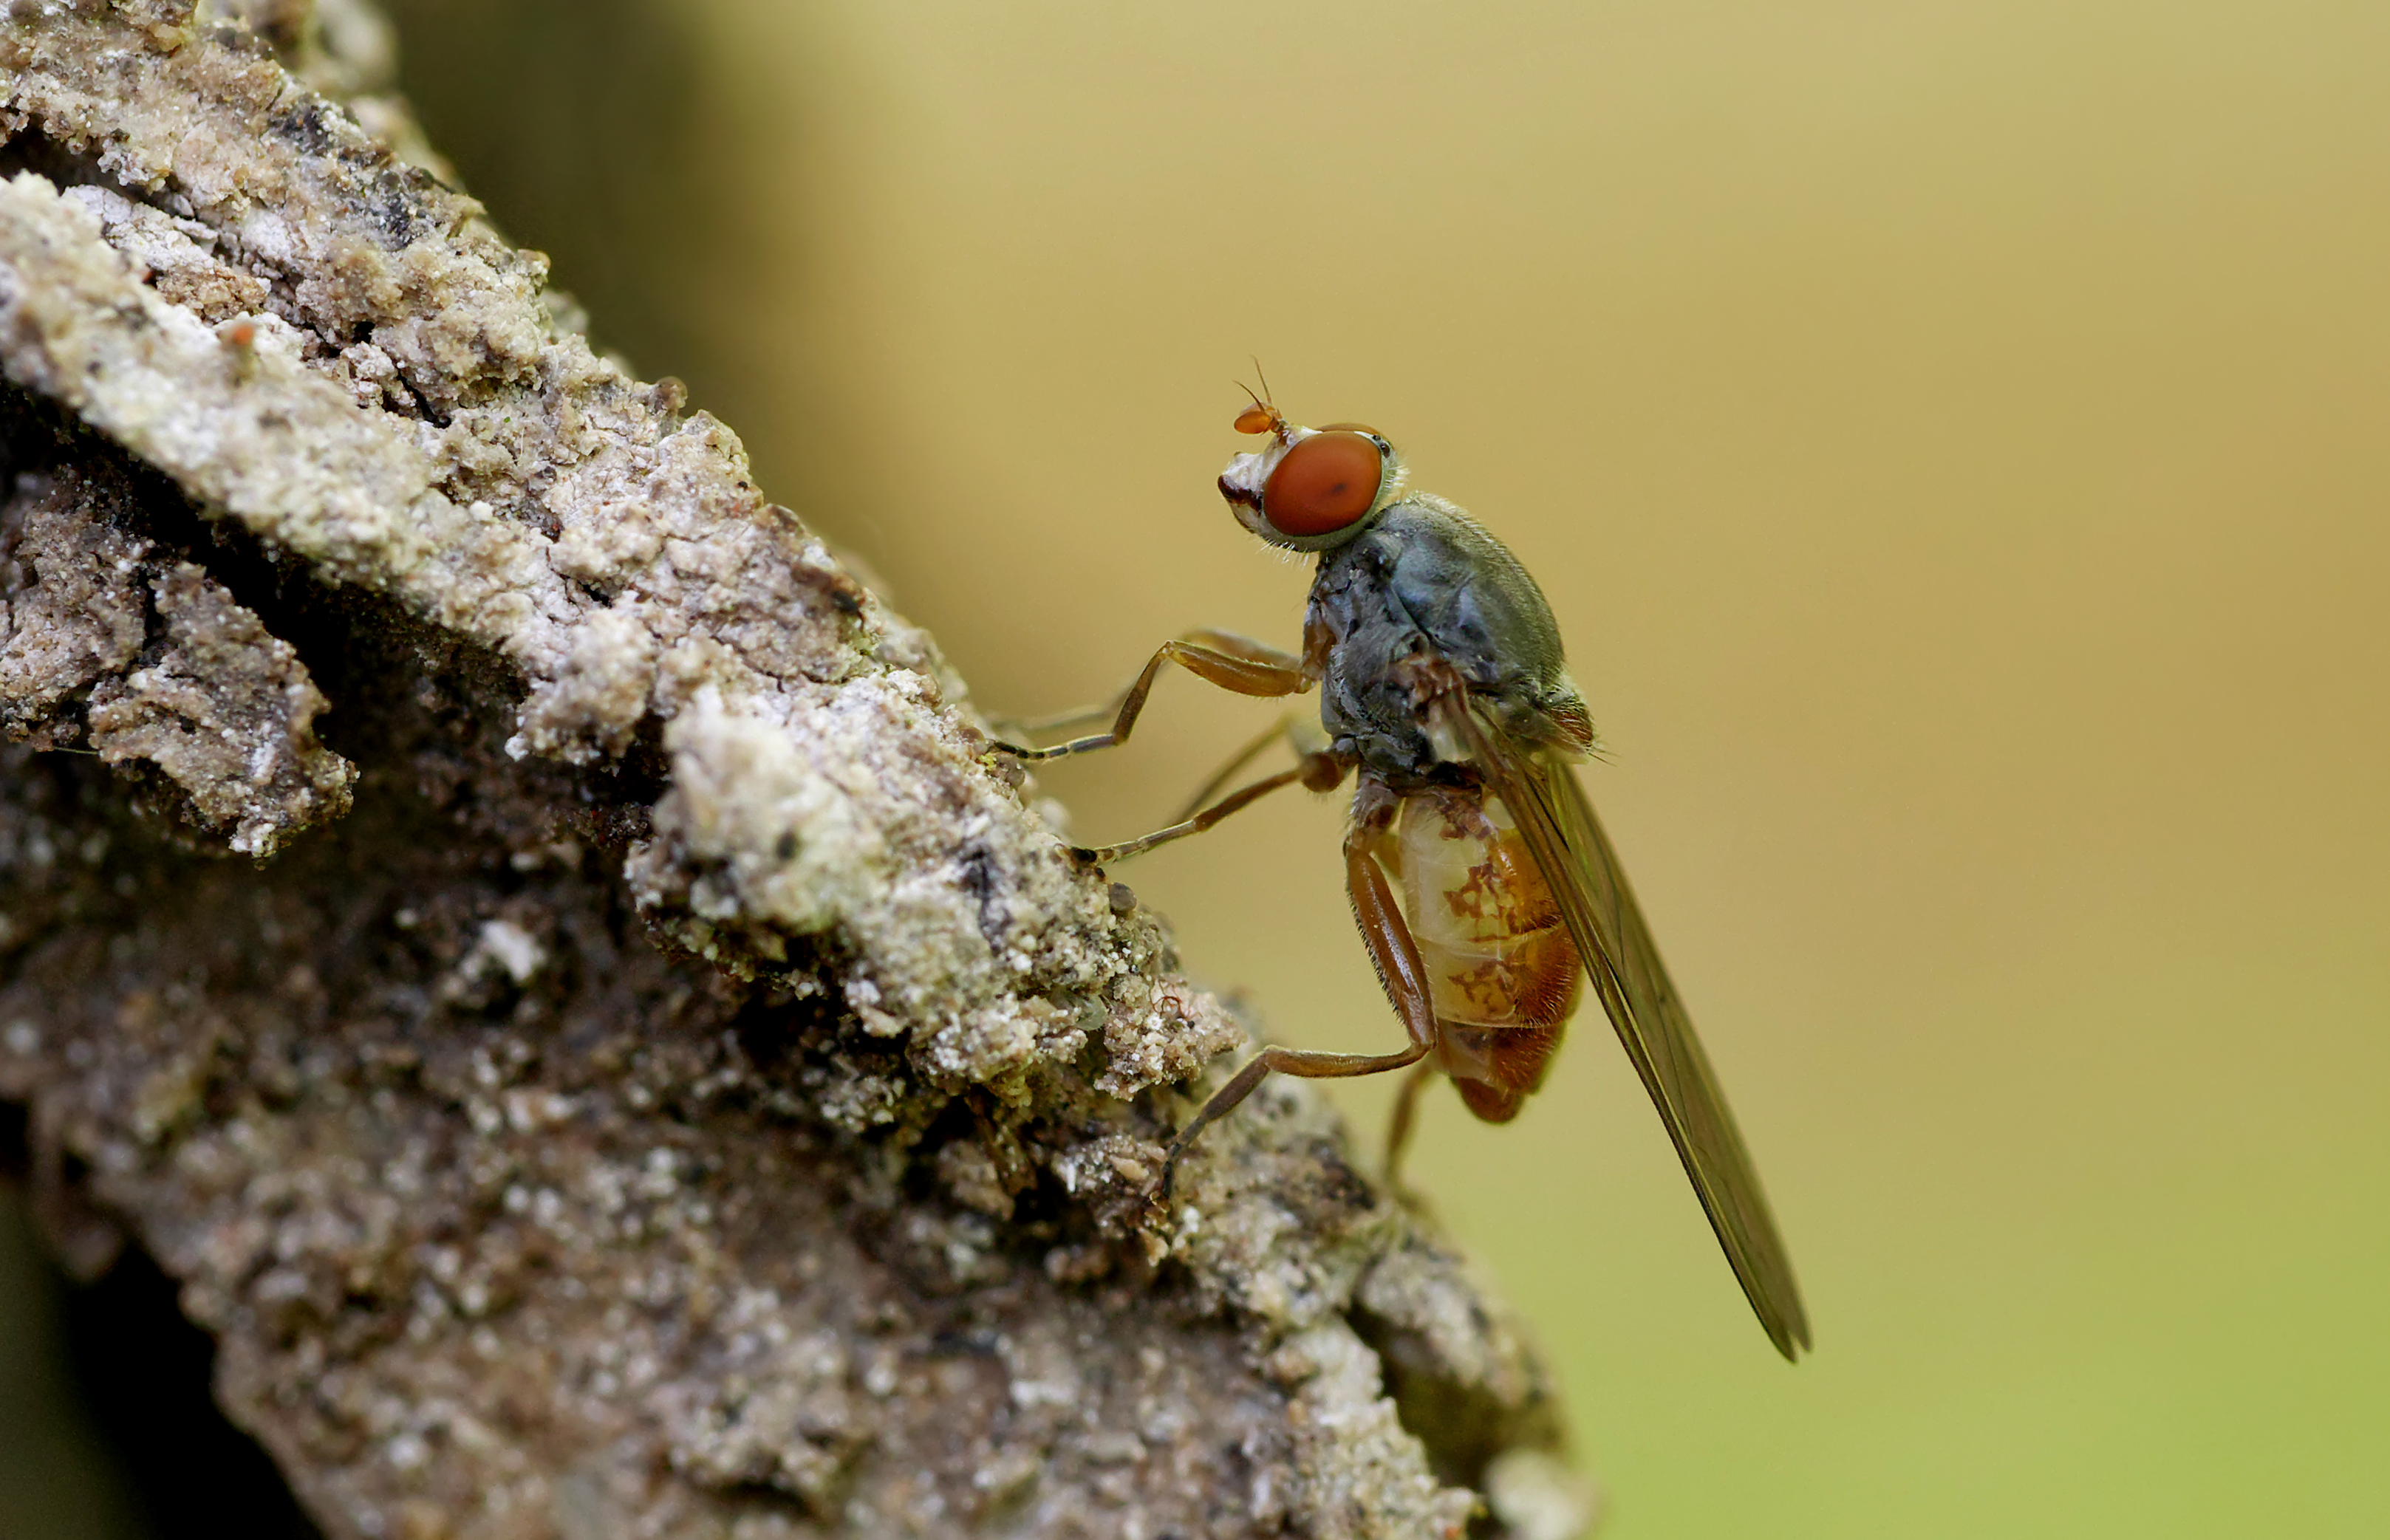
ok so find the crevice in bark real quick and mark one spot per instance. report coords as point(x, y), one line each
point(146, 1375)
point(35, 436)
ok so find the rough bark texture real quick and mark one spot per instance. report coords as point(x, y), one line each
point(543, 955)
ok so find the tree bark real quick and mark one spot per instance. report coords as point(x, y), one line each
point(544, 957)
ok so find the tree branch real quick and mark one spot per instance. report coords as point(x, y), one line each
point(540, 954)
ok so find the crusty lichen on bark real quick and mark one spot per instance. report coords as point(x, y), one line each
point(645, 1069)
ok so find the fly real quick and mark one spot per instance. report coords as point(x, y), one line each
point(1484, 886)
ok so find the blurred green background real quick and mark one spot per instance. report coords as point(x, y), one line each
point(1956, 440)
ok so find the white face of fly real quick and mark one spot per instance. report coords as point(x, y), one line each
point(1243, 482)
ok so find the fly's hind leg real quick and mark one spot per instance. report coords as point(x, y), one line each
point(1309, 1064)
point(1233, 662)
point(1398, 1131)
point(1399, 967)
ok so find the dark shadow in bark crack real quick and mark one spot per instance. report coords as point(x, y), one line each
point(140, 1378)
point(1462, 1426)
point(145, 1373)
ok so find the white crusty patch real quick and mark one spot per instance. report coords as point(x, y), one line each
point(784, 844)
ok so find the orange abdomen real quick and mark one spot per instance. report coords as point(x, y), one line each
point(1502, 968)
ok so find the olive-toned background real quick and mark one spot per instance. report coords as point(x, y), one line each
point(1956, 444)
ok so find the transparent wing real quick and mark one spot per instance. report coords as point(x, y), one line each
point(1576, 859)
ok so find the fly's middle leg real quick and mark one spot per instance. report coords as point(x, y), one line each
point(1303, 733)
point(1103, 855)
point(1315, 768)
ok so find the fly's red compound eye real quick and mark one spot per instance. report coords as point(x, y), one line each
point(1325, 483)
point(1257, 418)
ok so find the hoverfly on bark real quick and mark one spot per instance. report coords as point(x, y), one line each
point(1483, 884)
